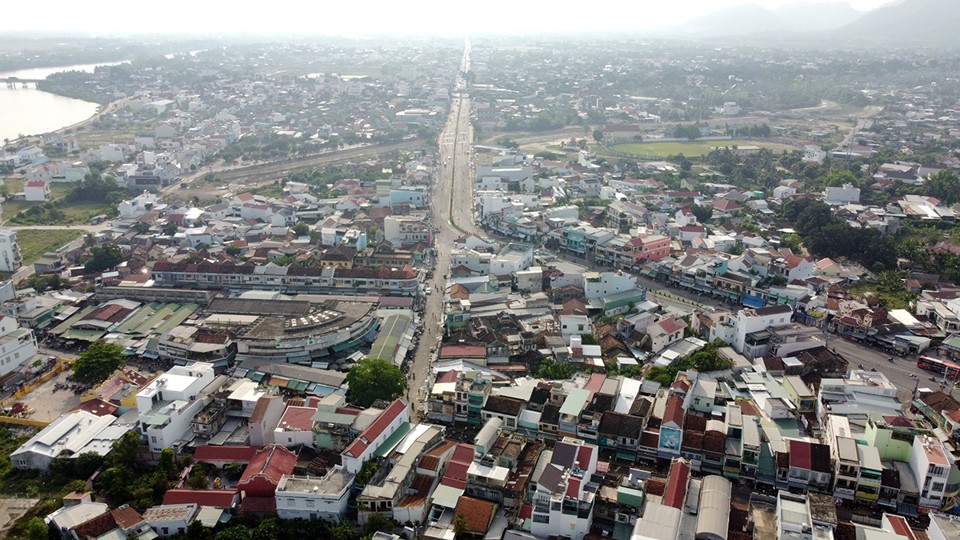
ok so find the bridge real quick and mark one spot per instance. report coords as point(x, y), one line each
point(12, 82)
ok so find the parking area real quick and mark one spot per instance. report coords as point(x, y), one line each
point(48, 401)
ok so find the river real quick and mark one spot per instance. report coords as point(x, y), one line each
point(29, 111)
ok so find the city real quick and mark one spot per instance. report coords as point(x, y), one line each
point(481, 287)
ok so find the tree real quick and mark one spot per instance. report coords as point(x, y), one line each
point(237, 532)
point(944, 186)
point(597, 135)
point(37, 529)
point(97, 363)
point(459, 526)
point(379, 522)
point(372, 379)
point(170, 228)
point(702, 212)
point(102, 258)
point(301, 229)
point(551, 369)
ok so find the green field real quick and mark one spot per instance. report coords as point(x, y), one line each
point(33, 244)
point(688, 148)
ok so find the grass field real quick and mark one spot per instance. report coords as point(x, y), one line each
point(34, 244)
point(688, 148)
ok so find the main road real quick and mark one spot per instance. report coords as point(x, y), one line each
point(451, 214)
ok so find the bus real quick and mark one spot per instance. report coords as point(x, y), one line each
point(940, 367)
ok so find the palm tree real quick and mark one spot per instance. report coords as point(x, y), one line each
point(459, 526)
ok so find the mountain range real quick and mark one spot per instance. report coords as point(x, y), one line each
point(926, 21)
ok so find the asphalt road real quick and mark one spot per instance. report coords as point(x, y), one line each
point(897, 372)
point(450, 209)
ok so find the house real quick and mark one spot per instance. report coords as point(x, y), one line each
point(369, 441)
point(17, 345)
point(224, 499)
point(838, 196)
point(307, 497)
point(751, 335)
point(930, 461)
point(265, 470)
point(664, 333)
point(10, 257)
point(169, 403)
point(36, 191)
point(808, 467)
point(69, 435)
point(671, 428)
point(562, 504)
point(168, 520)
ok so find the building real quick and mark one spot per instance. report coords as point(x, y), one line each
point(713, 517)
point(10, 257)
point(36, 191)
point(265, 471)
point(307, 497)
point(368, 442)
point(931, 464)
point(68, 436)
point(406, 230)
point(18, 346)
point(665, 333)
point(168, 520)
point(751, 335)
point(563, 495)
point(168, 404)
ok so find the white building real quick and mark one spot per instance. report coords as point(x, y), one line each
point(512, 258)
point(749, 321)
point(306, 497)
point(930, 463)
point(168, 404)
point(562, 506)
point(474, 260)
point(17, 345)
point(65, 436)
point(405, 229)
point(599, 284)
point(841, 195)
point(170, 519)
point(10, 257)
point(139, 205)
point(665, 332)
point(365, 446)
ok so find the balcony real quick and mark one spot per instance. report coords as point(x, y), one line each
point(844, 493)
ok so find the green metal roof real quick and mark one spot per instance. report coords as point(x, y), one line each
point(394, 439)
point(83, 335)
point(385, 347)
point(65, 325)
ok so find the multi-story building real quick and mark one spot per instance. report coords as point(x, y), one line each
point(169, 403)
point(931, 463)
point(17, 345)
point(563, 494)
point(10, 257)
point(307, 497)
point(751, 336)
point(368, 442)
point(406, 230)
point(184, 344)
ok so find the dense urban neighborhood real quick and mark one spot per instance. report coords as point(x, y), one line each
point(485, 289)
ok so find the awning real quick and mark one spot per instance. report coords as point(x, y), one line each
point(859, 335)
point(151, 355)
point(340, 347)
point(83, 335)
point(255, 376)
point(371, 336)
point(394, 439)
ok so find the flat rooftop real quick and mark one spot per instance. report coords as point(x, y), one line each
point(331, 484)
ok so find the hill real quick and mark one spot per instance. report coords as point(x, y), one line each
point(920, 21)
point(747, 19)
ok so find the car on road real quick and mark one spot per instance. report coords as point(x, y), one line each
point(428, 290)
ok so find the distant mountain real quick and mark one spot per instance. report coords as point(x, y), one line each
point(929, 21)
point(746, 19)
point(807, 17)
point(734, 21)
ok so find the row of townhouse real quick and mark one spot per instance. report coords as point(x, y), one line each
point(317, 279)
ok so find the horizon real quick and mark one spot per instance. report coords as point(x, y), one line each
point(424, 17)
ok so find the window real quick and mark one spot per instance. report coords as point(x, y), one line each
point(937, 486)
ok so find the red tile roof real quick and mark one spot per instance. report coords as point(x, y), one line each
point(901, 527)
point(297, 418)
point(573, 488)
point(359, 445)
point(126, 517)
point(240, 454)
point(800, 455)
point(677, 484)
point(258, 505)
point(98, 407)
point(674, 411)
point(463, 351)
point(477, 513)
point(218, 498)
point(271, 462)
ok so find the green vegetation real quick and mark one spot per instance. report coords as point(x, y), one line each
point(97, 363)
point(889, 288)
point(103, 258)
point(92, 196)
point(33, 244)
point(551, 369)
point(706, 359)
point(692, 148)
point(374, 379)
point(46, 282)
point(829, 236)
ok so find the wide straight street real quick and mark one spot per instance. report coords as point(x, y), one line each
point(450, 211)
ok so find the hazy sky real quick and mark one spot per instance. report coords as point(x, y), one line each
point(361, 16)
